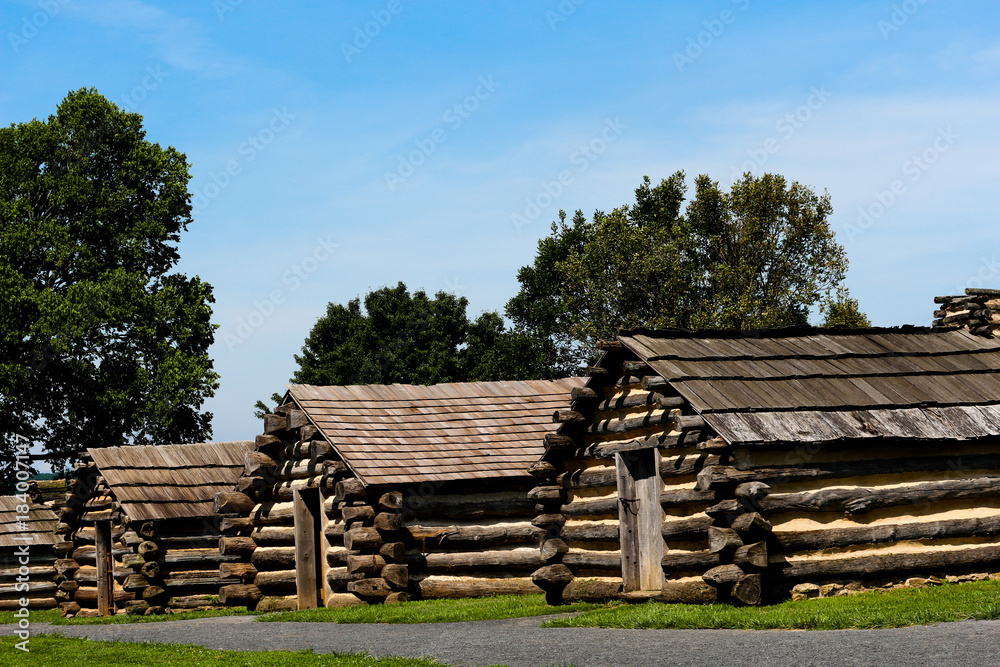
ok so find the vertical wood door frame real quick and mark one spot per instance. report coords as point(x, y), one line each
point(640, 519)
point(309, 554)
point(105, 568)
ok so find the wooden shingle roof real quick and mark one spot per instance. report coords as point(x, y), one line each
point(815, 385)
point(171, 481)
point(40, 526)
point(399, 434)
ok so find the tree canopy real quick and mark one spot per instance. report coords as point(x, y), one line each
point(760, 255)
point(397, 337)
point(101, 343)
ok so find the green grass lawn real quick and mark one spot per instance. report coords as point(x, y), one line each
point(433, 611)
point(876, 609)
point(54, 651)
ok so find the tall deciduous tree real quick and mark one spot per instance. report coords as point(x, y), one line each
point(100, 343)
point(414, 339)
point(761, 254)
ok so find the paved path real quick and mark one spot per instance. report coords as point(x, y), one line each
point(521, 642)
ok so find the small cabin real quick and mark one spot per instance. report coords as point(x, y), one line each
point(737, 466)
point(381, 493)
point(143, 531)
point(27, 561)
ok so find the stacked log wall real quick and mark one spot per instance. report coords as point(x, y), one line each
point(624, 408)
point(39, 571)
point(470, 539)
point(88, 501)
point(173, 565)
point(258, 522)
point(869, 513)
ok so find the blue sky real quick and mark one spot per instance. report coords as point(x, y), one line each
point(339, 147)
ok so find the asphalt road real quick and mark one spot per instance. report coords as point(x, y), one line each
point(522, 643)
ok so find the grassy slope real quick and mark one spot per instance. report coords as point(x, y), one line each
point(48, 651)
point(434, 611)
point(877, 609)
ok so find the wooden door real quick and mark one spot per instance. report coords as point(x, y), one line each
point(105, 568)
point(310, 556)
point(640, 519)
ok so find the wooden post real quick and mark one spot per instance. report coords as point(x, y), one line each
point(105, 568)
point(308, 554)
point(640, 519)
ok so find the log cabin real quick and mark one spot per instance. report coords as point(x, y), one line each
point(381, 493)
point(27, 559)
point(143, 531)
point(734, 466)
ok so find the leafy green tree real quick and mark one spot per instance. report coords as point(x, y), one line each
point(397, 337)
point(759, 255)
point(101, 343)
point(840, 310)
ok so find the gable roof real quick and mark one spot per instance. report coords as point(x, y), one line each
point(171, 481)
point(399, 434)
point(818, 385)
point(40, 526)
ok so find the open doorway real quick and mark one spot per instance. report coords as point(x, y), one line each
point(310, 551)
point(640, 519)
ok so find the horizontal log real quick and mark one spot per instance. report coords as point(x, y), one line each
point(503, 561)
point(87, 597)
point(177, 586)
point(654, 383)
point(682, 440)
point(33, 603)
point(546, 494)
point(619, 426)
point(388, 521)
point(275, 582)
point(36, 587)
point(881, 565)
point(211, 557)
point(258, 464)
point(680, 467)
point(194, 602)
point(370, 588)
point(583, 394)
point(557, 441)
point(860, 500)
point(552, 577)
point(273, 558)
point(240, 595)
point(542, 470)
point(232, 502)
point(235, 525)
point(568, 417)
point(687, 422)
point(272, 513)
point(350, 489)
point(274, 423)
point(367, 564)
point(362, 514)
point(751, 556)
point(472, 537)
point(752, 527)
point(723, 576)
point(245, 572)
point(832, 538)
point(236, 546)
point(33, 571)
point(438, 587)
point(716, 477)
point(274, 536)
point(363, 538)
point(337, 557)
